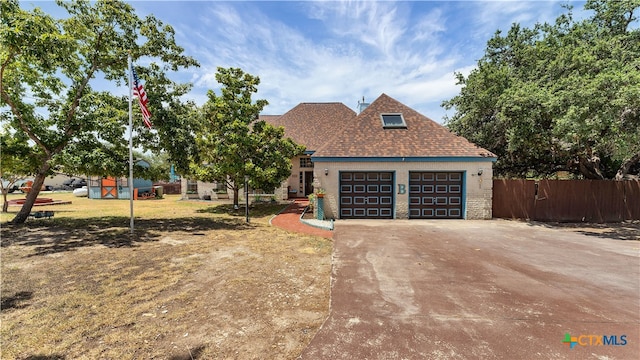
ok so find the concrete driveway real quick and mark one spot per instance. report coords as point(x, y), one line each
point(479, 290)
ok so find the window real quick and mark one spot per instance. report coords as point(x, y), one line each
point(192, 187)
point(221, 186)
point(305, 162)
point(393, 121)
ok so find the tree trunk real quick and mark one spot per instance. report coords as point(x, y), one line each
point(235, 197)
point(24, 212)
point(624, 168)
point(590, 167)
point(5, 204)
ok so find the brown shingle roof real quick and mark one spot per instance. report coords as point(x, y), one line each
point(313, 124)
point(423, 137)
point(271, 119)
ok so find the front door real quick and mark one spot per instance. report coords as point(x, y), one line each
point(308, 183)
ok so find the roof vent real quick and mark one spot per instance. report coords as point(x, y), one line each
point(362, 105)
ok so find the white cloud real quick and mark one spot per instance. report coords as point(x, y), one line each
point(227, 21)
point(406, 50)
point(429, 26)
point(342, 50)
point(294, 68)
point(494, 15)
point(379, 24)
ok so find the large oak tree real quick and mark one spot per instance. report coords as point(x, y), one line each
point(48, 68)
point(562, 96)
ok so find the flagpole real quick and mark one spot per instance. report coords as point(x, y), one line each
point(130, 146)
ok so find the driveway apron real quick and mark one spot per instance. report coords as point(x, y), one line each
point(479, 290)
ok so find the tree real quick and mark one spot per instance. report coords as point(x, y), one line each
point(54, 63)
point(234, 143)
point(16, 162)
point(562, 96)
point(159, 166)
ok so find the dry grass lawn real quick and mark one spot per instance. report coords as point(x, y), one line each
point(194, 282)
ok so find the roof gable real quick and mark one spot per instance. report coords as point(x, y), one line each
point(367, 136)
point(313, 124)
point(271, 119)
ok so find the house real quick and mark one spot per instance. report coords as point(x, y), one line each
point(386, 162)
point(196, 189)
point(391, 162)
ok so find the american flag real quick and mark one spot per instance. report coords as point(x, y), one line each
point(138, 91)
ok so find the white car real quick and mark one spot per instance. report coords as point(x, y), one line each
point(14, 187)
point(81, 192)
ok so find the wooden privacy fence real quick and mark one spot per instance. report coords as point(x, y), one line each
point(169, 188)
point(567, 200)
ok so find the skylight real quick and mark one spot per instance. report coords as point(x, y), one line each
point(393, 121)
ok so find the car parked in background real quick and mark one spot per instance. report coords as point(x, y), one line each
point(14, 187)
point(74, 183)
point(67, 183)
point(79, 183)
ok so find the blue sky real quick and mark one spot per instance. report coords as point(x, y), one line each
point(325, 51)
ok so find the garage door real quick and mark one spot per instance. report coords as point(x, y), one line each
point(366, 195)
point(435, 195)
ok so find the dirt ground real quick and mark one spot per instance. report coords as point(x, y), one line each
point(195, 282)
point(194, 285)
